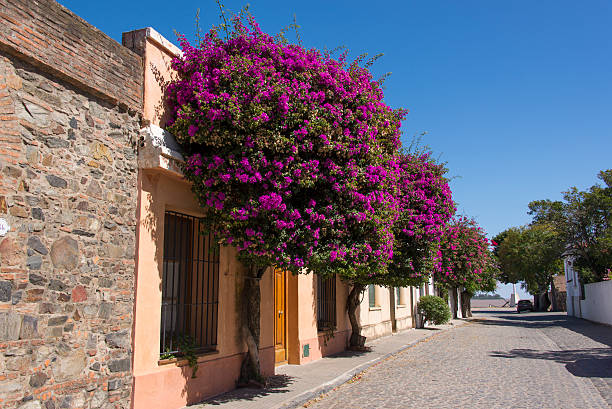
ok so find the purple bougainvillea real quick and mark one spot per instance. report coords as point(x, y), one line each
point(425, 206)
point(464, 256)
point(292, 153)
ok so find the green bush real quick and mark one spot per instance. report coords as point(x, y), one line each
point(433, 309)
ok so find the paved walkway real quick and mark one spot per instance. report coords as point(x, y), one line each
point(502, 360)
point(294, 385)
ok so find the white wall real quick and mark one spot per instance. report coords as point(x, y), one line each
point(597, 303)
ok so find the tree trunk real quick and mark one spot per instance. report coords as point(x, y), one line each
point(465, 304)
point(392, 302)
point(352, 303)
point(250, 327)
point(541, 302)
point(553, 296)
point(452, 294)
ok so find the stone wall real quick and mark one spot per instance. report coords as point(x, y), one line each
point(68, 192)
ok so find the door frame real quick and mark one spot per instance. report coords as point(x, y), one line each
point(285, 313)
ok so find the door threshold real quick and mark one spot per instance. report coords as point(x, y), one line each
point(281, 363)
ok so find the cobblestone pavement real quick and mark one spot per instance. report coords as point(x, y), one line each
point(501, 360)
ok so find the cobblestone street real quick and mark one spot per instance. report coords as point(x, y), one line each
point(500, 360)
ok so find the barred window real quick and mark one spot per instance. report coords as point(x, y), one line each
point(326, 303)
point(190, 286)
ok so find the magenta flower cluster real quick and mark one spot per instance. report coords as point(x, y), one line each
point(464, 254)
point(425, 206)
point(292, 153)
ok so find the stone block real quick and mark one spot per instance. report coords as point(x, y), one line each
point(9, 387)
point(59, 320)
point(101, 151)
point(38, 214)
point(35, 244)
point(11, 252)
point(34, 262)
point(33, 404)
point(10, 326)
point(6, 289)
point(36, 279)
point(17, 295)
point(57, 181)
point(19, 211)
point(120, 339)
point(79, 294)
point(95, 190)
point(34, 295)
point(114, 384)
point(65, 253)
point(56, 285)
point(38, 379)
point(119, 365)
point(29, 327)
point(70, 366)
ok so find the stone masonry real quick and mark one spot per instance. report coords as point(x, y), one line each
point(68, 130)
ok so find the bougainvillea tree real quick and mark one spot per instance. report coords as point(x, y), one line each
point(287, 150)
point(464, 258)
point(425, 205)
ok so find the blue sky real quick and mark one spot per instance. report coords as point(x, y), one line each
point(516, 96)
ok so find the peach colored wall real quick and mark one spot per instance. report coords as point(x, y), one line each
point(375, 322)
point(160, 192)
point(158, 55)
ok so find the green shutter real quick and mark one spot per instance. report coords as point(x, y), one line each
point(372, 295)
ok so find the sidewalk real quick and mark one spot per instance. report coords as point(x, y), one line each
point(294, 385)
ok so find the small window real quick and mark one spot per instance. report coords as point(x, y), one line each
point(372, 295)
point(398, 296)
point(190, 286)
point(326, 303)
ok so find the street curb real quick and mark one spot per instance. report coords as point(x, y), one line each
point(348, 375)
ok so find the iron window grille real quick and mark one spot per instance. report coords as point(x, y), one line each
point(190, 286)
point(326, 303)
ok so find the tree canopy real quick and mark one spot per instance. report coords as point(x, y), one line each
point(582, 222)
point(530, 254)
point(289, 150)
point(425, 206)
point(464, 258)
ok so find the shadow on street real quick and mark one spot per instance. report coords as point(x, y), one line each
point(584, 362)
point(275, 384)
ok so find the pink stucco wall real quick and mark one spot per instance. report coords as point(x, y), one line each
point(162, 188)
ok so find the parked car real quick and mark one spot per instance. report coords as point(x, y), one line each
point(524, 305)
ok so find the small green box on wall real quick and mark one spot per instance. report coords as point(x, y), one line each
point(306, 350)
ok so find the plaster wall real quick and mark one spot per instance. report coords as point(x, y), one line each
point(597, 303)
point(161, 188)
point(159, 385)
point(303, 294)
point(375, 322)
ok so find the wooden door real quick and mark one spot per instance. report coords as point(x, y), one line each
point(280, 319)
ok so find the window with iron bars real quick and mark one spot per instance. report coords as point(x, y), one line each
point(326, 303)
point(190, 286)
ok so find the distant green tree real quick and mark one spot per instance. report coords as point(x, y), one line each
point(531, 255)
point(583, 223)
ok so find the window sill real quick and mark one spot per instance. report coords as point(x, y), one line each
point(326, 331)
point(182, 361)
point(401, 306)
point(375, 308)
